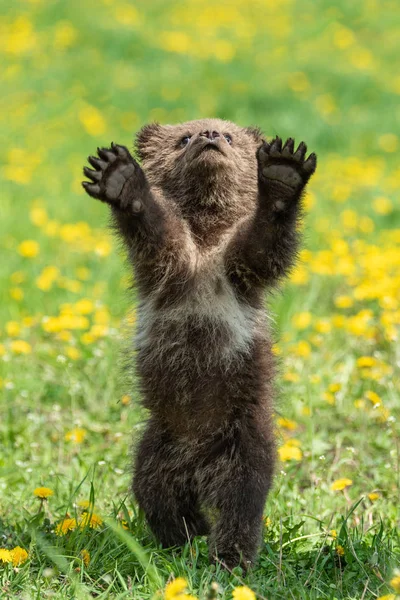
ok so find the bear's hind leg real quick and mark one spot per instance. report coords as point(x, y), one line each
point(164, 488)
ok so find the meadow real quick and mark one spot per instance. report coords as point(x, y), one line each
point(77, 75)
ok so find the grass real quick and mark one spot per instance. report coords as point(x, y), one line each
point(78, 75)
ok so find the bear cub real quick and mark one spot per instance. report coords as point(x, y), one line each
point(210, 223)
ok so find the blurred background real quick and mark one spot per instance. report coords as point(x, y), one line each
point(77, 75)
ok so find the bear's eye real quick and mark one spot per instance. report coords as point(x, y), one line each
point(185, 140)
point(228, 138)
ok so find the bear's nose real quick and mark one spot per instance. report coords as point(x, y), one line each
point(211, 135)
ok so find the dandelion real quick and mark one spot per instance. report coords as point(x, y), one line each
point(373, 496)
point(18, 556)
point(92, 120)
point(90, 520)
point(85, 504)
point(5, 555)
point(366, 361)
point(20, 347)
point(302, 349)
point(340, 550)
point(341, 484)
point(176, 590)
point(287, 423)
point(72, 352)
point(243, 592)
point(28, 248)
point(395, 583)
point(301, 320)
point(16, 294)
point(66, 525)
point(85, 557)
point(126, 399)
point(333, 533)
point(13, 328)
point(76, 435)
point(373, 397)
point(43, 492)
point(289, 452)
point(382, 205)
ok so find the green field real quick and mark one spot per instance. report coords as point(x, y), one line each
point(77, 75)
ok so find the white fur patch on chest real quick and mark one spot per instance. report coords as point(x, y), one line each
point(227, 326)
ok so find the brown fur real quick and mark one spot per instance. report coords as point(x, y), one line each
point(209, 225)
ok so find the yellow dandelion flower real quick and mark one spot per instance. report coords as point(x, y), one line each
point(66, 525)
point(373, 397)
point(5, 555)
point(175, 41)
point(18, 556)
point(76, 435)
point(301, 320)
point(287, 423)
point(289, 452)
point(92, 120)
point(341, 484)
point(43, 492)
point(366, 361)
point(395, 583)
point(373, 496)
point(64, 35)
point(343, 38)
point(90, 520)
point(340, 550)
point(38, 216)
point(103, 248)
point(333, 533)
point(84, 306)
point(82, 273)
point(85, 557)
point(242, 592)
point(329, 398)
point(13, 328)
point(302, 349)
point(292, 377)
point(382, 205)
point(175, 588)
point(335, 387)
point(85, 504)
point(126, 399)
point(20, 347)
point(72, 352)
point(87, 338)
point(16, 294)
point(28, 248)
point(323, 326)
point(387, 597)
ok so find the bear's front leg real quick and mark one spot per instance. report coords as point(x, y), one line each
point(283, 174)
point(154, 237)
point(117, 179)
point(264, 246)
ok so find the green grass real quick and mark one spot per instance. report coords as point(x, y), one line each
point(77, 75)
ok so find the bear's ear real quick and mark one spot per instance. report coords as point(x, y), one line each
point(255, 133)
point(148, 139)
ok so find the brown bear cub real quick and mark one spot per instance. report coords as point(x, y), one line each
point(209, 221)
